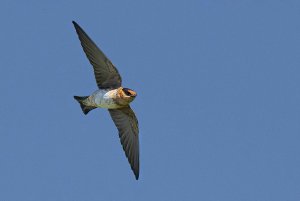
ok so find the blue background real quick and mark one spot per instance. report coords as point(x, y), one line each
point(218, 103)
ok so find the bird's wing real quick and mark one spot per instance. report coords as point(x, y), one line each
point(106, 74)
point(128, 128)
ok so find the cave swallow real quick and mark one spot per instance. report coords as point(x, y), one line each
point(112, 96)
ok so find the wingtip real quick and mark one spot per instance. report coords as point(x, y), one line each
point(74, 23)
point(136, 177)
point(136, 174)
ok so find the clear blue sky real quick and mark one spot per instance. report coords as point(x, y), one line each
point(218, 103)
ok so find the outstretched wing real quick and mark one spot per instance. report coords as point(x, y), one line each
point(106, 74)
point(128, 127)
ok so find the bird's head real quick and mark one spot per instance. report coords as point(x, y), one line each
point(125, 96)
point(129, 94)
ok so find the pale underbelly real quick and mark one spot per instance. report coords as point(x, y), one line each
point(109, 104)
point(104, 102)
point(103, 99)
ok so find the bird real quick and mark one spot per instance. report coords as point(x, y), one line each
point(113, 96)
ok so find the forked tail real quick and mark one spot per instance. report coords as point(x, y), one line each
point(85, 109)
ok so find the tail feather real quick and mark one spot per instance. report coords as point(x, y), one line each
point(84, 108)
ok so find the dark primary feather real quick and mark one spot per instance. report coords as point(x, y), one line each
point(128, 128)
point(106, 74)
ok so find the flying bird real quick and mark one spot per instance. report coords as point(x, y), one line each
point(112, 96)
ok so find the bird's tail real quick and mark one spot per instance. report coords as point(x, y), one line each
point(85, 109)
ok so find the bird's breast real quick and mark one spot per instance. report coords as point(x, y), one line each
point(105, 99)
